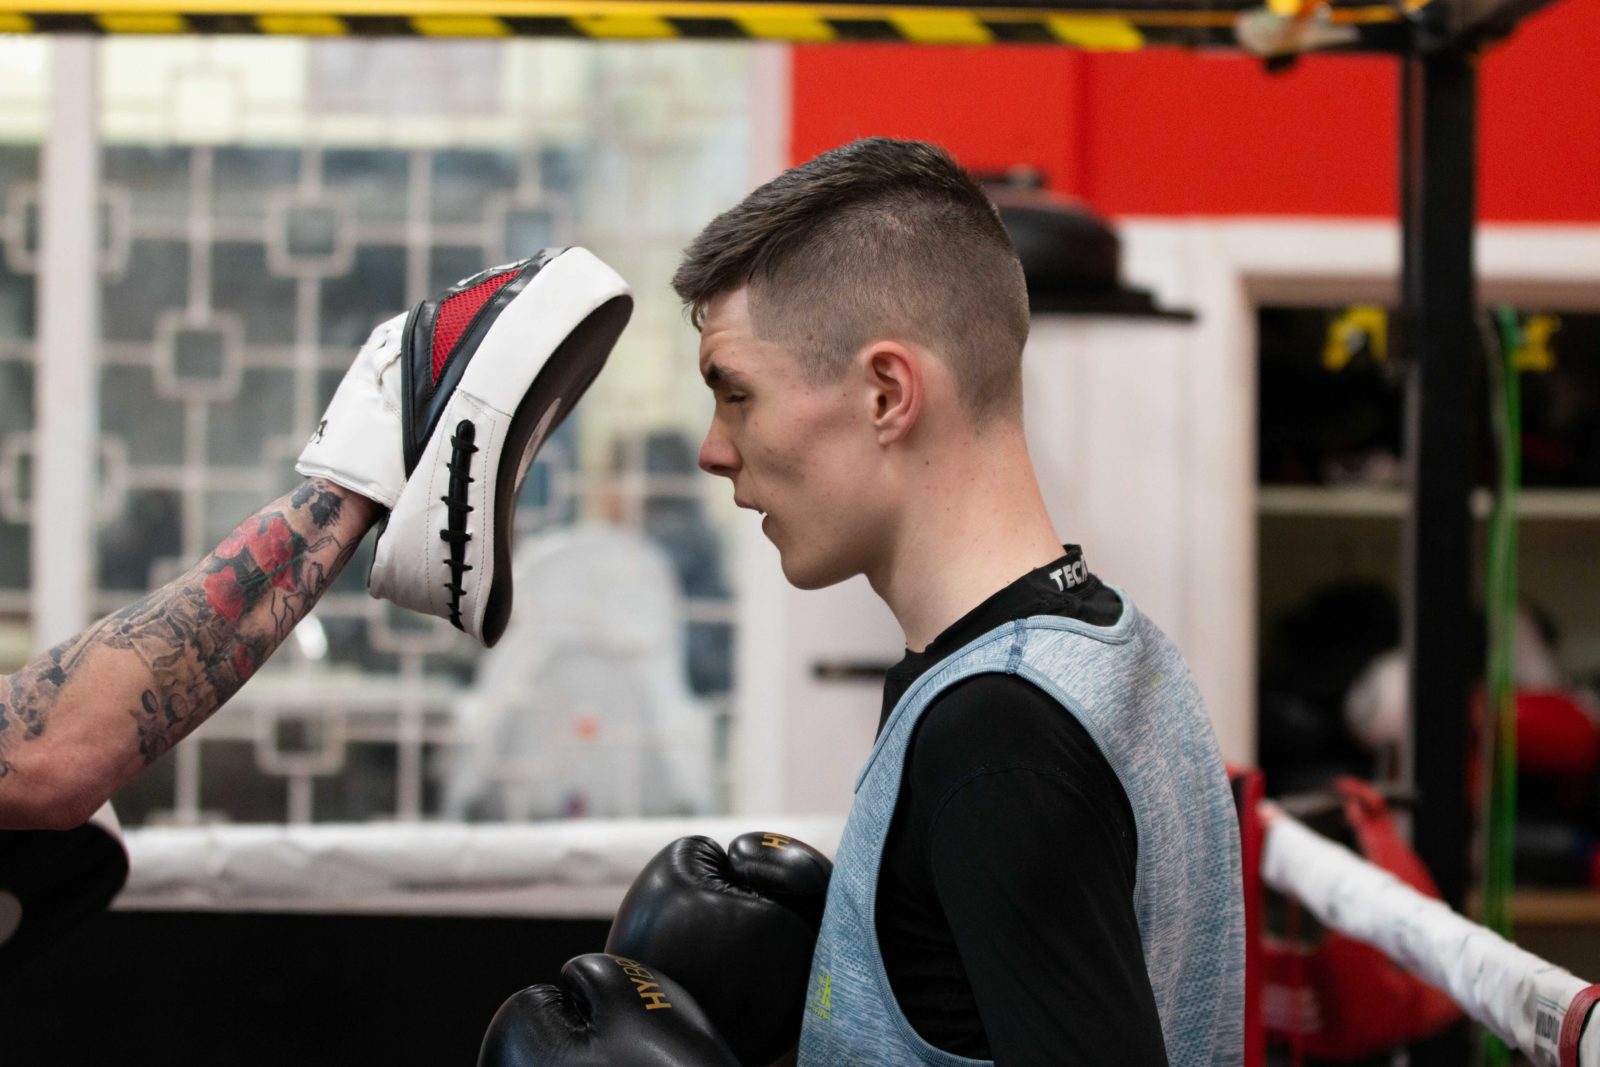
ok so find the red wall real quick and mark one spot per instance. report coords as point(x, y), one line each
point(1163, 132)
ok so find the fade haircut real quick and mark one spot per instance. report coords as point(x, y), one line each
point(877, 239)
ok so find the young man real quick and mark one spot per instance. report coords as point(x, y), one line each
point(1041, 864)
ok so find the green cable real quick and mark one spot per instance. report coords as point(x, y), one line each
point(1501, 606)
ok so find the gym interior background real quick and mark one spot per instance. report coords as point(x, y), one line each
point(263, 202)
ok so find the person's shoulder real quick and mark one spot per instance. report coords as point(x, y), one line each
point(994, 722)
point(995, 748)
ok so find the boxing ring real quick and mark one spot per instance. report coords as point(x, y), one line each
point(582, 868)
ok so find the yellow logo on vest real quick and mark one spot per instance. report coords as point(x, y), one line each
point(822, 995)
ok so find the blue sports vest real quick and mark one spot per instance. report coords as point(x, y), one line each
point(1131, 690)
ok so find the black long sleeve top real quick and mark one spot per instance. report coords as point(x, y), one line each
point(1005, 900)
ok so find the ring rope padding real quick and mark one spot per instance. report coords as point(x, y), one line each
point(1093, 26)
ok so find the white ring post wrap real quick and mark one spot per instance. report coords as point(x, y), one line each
point(1520, 997)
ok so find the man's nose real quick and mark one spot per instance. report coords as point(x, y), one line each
point(717, 454)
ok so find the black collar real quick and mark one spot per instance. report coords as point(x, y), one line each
point(1063, 587)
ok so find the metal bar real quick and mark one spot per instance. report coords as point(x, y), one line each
point(762, 710)
point(1094, 25)
point(1485, 22)
point(66, 389)
point(1011, 9)
point(1438, 178)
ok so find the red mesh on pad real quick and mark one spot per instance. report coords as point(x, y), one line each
point(455, 315)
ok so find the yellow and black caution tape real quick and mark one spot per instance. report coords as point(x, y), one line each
point(1089, 25)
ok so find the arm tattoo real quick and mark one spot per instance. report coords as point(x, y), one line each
point(202, 636)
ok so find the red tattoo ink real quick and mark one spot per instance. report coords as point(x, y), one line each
point(224, 595)
point(235, 542)
point(273, 547)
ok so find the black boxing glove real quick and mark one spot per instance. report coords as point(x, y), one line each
point(736, 929)
point(52, 880)
point(607, 1012)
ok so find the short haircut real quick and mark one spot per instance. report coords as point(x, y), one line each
point(878, 239)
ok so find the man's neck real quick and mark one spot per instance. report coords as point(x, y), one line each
point(968, 534)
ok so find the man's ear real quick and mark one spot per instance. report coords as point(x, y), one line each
point(895, 389)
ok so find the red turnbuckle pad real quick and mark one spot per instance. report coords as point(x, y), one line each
point(1572, 1025)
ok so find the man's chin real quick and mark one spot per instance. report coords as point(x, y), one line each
point(806, 577)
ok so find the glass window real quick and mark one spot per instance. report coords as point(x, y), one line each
point(279, 198)
point(24, 73)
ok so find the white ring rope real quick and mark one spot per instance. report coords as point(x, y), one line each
point(1520, 997)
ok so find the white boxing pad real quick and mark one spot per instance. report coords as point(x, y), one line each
point(443, 411)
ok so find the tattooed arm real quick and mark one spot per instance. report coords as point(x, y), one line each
point(80, 720)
